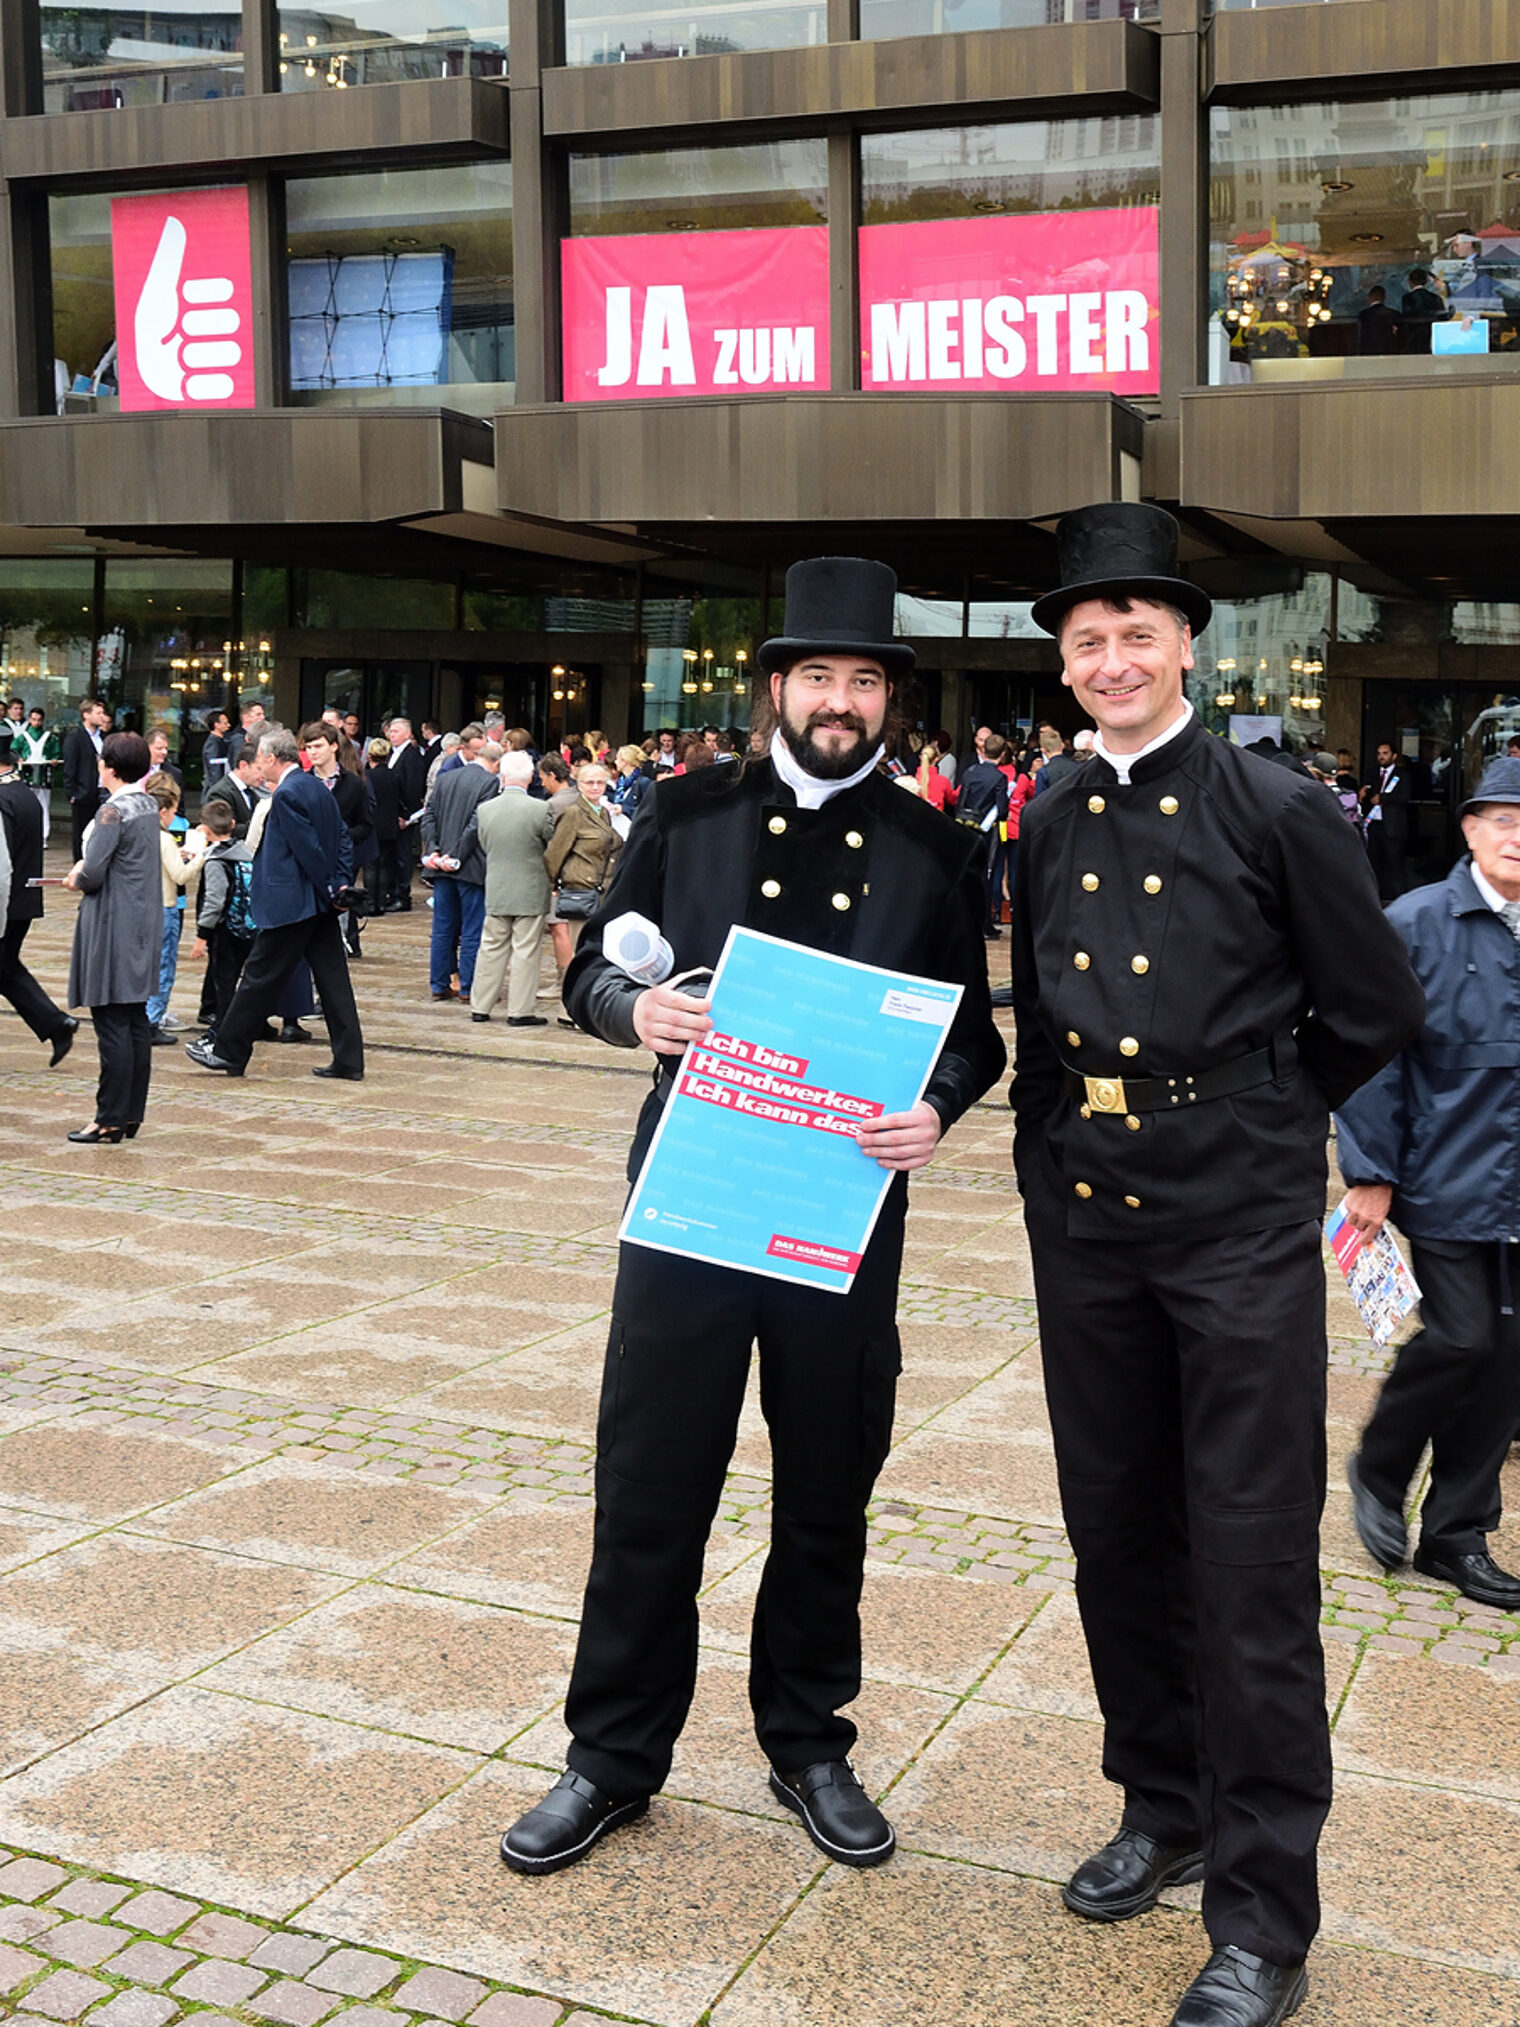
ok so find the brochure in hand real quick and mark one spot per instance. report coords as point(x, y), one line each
point(756, 1163)
point(1376, 1272)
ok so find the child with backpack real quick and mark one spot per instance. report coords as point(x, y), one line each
point(224, 919)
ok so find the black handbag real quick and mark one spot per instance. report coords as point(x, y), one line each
point(574, 904)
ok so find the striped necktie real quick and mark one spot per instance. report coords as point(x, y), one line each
point(1510, 913)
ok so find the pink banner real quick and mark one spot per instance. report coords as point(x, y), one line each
point(687, 313)
point(184, 299)
point(1055, 302)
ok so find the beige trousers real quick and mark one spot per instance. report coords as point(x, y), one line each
point(508, 940)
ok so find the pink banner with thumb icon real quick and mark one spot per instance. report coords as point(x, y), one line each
point(183, 279)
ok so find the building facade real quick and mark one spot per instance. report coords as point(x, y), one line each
point(432, 357)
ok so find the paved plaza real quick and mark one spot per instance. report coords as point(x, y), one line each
point(297, 1403)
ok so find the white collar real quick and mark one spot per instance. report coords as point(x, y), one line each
point(1490, 893)
point(811, 793)
point(1121, 763)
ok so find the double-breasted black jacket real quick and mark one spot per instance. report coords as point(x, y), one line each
point(1213, 907)
point(874, 874)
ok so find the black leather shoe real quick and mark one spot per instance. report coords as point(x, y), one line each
point(343, 1076)
point(1128, 1875)
point(1235, 1989)
point(1380, 1526)
point(1477, 1577)
point(63, 1041)
point(526, 1021)
point(206, 1058)
point(160, 1038)
point(479, 1017)
point(96, 1136)
point(836, 1812)
point(562, 1828)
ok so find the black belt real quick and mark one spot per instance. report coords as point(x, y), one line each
point(1161, 1094)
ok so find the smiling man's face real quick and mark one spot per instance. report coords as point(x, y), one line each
point(1126, 669)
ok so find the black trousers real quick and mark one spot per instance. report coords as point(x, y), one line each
point(677, 1361)
point(269, 966)
point(1455, 1386)
point(393, 870)
point(226, 955)
point(1388, 849)
point(80, 814)
point(124, 1036)
point(22, 990)
point(1186, 1384)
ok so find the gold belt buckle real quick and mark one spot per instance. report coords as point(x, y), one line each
point(1106, 1094)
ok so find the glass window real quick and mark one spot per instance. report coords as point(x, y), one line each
point(344, 599)
point(1363, 240)
point(700, 189)
point(1012, 257)
point(401, 284)
point(84, 308)
point(1260, 665)
point(1250, 6)
point(615, 31)
point(938, 17)
point(109, 55)
point(164, 651)
point(45, 630)
point(387, 41)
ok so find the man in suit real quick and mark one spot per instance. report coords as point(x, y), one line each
point(81, 769)
point(240, 787)
point(409, 771)
point(811, 843)
point(458, 866)
point(21, 847)
point(432, 743)
point(512, 830)
point(1200, 969)
point(1389, 795)
point(304, 859)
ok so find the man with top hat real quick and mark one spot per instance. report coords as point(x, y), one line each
point(1434, 1142)
point(812, 843)
point(1201, 970)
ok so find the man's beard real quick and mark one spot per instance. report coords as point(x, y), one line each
point(829, 763)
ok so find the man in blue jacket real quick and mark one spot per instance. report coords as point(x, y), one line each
point(1434, 1141)
point(304, 859)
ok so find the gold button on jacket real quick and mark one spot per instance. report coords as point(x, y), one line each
point(770, 889)
point(1170, 805)
point(777, 825)
point(1091, 882)
point(1074, 1038)
point(854, 840)
point(1081, 960)
point(1152, 883)
point(841, 902)
point(1140, 965)
point(1096, 804)
point(1128, 1046)
point(1083, 1189)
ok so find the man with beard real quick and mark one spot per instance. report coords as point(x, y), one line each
point(813, 844)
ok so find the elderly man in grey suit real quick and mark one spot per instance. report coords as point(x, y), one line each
point(512, 830)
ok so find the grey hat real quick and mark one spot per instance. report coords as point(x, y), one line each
point(1500, 783)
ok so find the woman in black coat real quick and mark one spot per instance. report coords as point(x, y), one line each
point(118, 935)
point(384, 784)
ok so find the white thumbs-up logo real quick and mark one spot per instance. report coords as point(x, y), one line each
point(179, 349)
point(184, 294)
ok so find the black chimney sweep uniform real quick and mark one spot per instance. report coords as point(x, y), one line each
point(1201, 970)
point(875, 875)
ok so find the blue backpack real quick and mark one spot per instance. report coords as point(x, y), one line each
point(237, 914)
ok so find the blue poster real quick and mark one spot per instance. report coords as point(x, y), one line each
point(756, 1163)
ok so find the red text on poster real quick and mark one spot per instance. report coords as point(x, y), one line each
point(1049, 303)
point(684, 313)
point(184, 299)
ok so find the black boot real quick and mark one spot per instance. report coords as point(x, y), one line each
point(1129, 1875)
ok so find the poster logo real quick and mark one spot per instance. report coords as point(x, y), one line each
point(184, 297)
point(696, 313)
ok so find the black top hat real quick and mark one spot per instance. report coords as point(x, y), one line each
point(838, 605)
point(1500, 783)
point(1119, 550)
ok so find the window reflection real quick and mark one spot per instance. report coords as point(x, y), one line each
point(1350, 240)
point(1028, 166)
point(700, 189)
point(401, 284)
point(107, 56)
point(389, 41)
point(596, 32)
point(45, 629)
point(879, 18)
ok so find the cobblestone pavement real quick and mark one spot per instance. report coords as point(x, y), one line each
point(297, 1399)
